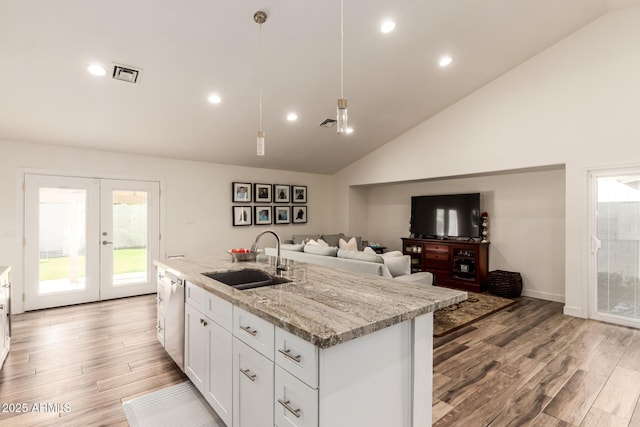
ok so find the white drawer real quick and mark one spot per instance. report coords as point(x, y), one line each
point(196, 296)
point(253, 331)
point(219, 310)
point(297, 356)
point(295, 403)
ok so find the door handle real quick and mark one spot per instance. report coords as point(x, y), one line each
point(104, 242)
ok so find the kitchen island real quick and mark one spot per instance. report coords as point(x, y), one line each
point(328, 348)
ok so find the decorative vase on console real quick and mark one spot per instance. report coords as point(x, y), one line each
point(485, 227)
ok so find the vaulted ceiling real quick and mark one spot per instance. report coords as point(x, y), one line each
point(189, 50)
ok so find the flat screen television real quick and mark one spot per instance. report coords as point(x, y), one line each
point(446, 216)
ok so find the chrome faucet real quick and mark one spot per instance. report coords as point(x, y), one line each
point(280, 267)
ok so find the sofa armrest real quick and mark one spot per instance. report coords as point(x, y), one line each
point(424, 278)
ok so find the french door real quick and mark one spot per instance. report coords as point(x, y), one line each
point(615, 247)
point(88, 239)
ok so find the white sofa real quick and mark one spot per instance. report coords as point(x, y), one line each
point(392, 265)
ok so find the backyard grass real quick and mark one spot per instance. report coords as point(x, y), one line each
point(124, 261)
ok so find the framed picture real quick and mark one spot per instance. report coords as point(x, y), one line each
point(298, 194)
point(241, 192)
point(281, 214)
point(242, 215)
point(299, 214)
point(262, 214)
point(281, 193)
point(262, 193)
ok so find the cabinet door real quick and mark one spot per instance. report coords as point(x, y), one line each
point(195, 346)
point(219, 373)
point(252, 387)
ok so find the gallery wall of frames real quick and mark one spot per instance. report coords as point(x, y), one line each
point(266, 204)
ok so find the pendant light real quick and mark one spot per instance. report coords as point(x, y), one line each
point(342, 102)
point(260, 18)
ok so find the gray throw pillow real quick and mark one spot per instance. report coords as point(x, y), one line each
point(332, 239)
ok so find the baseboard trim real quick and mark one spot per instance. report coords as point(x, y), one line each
point(574, 311)
point(547, 296)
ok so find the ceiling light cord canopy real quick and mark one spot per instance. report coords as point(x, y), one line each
point(342, 102)
point(260, 18)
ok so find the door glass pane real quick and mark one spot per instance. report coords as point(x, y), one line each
point(62, 240)
point(618, 259)
point(130, 237)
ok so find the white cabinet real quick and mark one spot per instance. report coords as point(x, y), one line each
point(5, 339)
point(208, 345)
point(253, 373)
point(252, 387)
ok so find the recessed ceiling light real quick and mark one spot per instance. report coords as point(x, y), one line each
point(445, 60)
point(349, 130)
point(387, 26)
point(214, 98)
point(96, 70)
point(292, 117)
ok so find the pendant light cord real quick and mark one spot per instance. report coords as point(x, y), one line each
point(341, 48)
point(260, 78)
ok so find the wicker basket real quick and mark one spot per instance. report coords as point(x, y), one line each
point(507, 284)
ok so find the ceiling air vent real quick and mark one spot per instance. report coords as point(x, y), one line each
point(126, 74)
point(328, 123)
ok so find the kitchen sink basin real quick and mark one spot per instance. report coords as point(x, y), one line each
point(248, 278)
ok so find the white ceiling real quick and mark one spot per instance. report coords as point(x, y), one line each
point(189, 49)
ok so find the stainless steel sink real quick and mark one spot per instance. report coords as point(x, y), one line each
point(247, 278)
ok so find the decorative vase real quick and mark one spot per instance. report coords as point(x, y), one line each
point(485, 229)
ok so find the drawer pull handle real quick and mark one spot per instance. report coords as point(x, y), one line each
point(295, 412)
point(1, 306)
point(203, 322)
point(247, 373)
point(288, 355)
point(248, 330)
point(159, 299)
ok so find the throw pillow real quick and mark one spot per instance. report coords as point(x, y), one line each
point(351, 245)
point(303, 238)
point(312, 242)
point(368, 250)
point(291, 247)
point(322, 243)
point(320, 250)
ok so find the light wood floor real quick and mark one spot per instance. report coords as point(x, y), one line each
point(526, 365)
point(91, 356)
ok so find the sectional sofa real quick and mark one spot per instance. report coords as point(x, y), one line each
point(394, 265)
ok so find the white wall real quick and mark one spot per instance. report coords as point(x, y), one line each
point(526, 221)
point(196, 198)
point(575, 104)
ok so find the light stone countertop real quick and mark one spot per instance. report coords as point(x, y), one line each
point(4, 269)
point(321, 305)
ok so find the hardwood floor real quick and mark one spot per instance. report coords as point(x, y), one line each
point(529, 365)
point(526, 365)
point(91, 357)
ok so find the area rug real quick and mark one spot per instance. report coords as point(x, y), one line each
point(456, 316)
point(177, 406)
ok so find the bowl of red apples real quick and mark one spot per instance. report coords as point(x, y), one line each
point(243, 254)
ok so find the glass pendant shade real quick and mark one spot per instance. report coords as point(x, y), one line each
point(260, 143)
point(342, 116)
